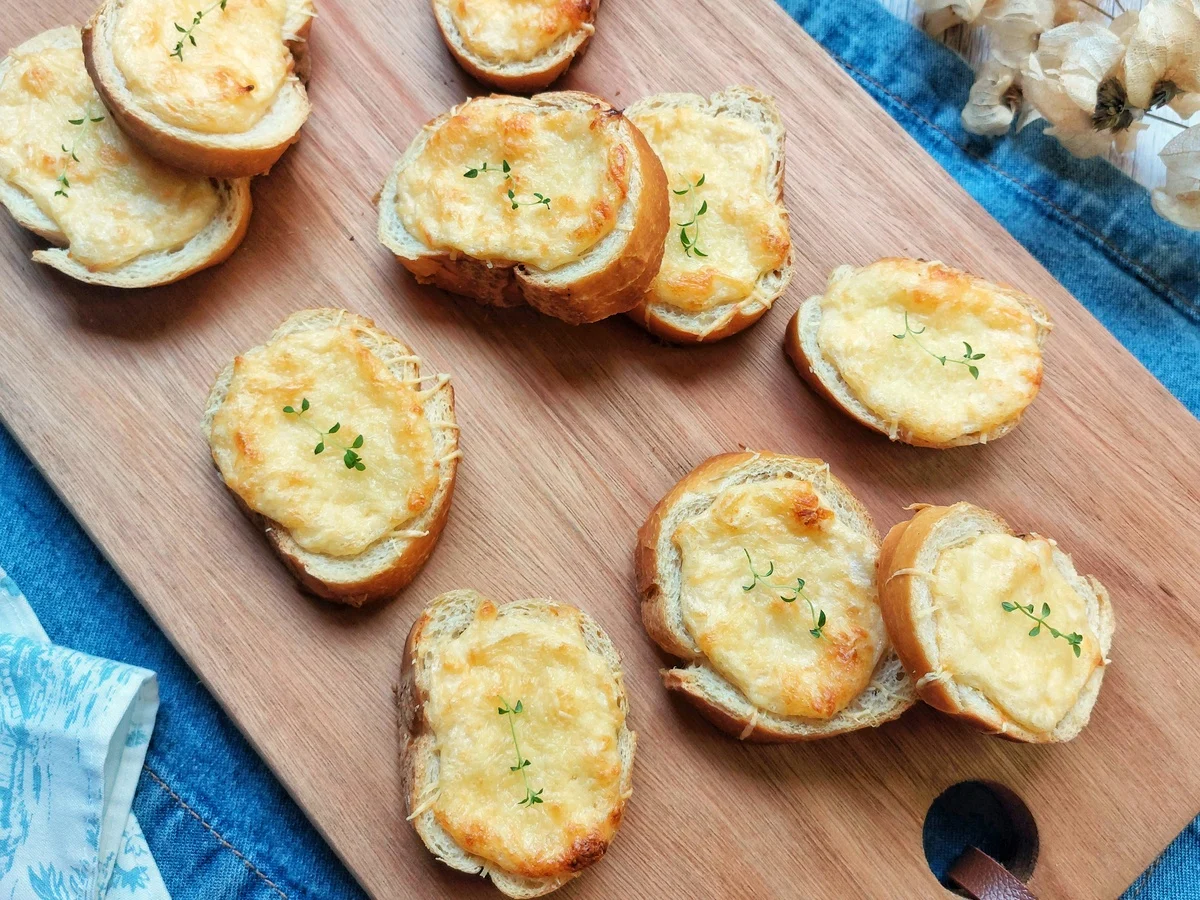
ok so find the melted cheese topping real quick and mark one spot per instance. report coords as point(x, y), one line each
point(1036, 680)
point(760, 643)
point(568, 729)
point(120, 203)
point(508, 31)
point(226, 81)
point(901, 382)
point(266, 455)
point(571, 156)
point(744, 229)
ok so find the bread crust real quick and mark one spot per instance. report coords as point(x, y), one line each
point(211, 247)
point(669, 323)
point(218, 156)
point(694, 682)
point(901, 613)
point(613, 284)
point(418, 746)
point(402, 565)
point(526, 78)
point(837, 394)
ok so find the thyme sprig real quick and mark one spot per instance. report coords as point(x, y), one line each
point(531, 796)
point(349, 454)
point(968, 358)
point(505, 169)
point(691, 240)
point(1074, 638)
point(64, 183)
point(188, 36)
point(797, 591)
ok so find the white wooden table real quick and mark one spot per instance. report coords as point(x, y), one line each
point(1143, 164)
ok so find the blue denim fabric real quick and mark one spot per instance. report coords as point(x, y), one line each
point(218, 823)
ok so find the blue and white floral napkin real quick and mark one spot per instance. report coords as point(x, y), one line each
point(73, 735)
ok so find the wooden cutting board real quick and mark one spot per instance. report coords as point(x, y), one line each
point(570, 435)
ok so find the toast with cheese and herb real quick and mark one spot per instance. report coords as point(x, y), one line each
point(516, 751)
point(119, 218)
point(214, 87)
point(338, 441)
point(926, 354)
point(728, 255)
point(995, 628)
point(516, 45)
point(758, 570)
point(555, 200)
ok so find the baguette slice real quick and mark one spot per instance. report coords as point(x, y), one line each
point(671, 322)
point(442, 621)
point(659, 577)
point(391, 563)
point(912, 548)
point(608, 278)
point(815, 367)
point(252, 152)
point(210, 247)
point(520, 76)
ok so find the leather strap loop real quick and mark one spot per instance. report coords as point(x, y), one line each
point(985, 879)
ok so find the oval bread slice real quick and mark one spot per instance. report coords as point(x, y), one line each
point(251, 152)
point(607, 278)
point(951, 360)
point(212, 246)
point(449, 620)
point(660, 575)
point(518, 75)
point(740, 106)
point(910, 555)
point(391, 562)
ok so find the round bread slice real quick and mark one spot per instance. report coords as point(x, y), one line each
point(518, 74)
point(941, 358)
point(661, 580)
point(910, 556)
point(436, 767)
point(392, 561)
point(211, 246)
point(606, 278)
point(234, 155)
point(689, 154)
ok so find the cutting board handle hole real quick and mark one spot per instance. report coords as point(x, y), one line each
point(980, 814)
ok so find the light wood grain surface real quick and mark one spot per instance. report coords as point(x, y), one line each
point(571, 435)
point(1141, 163)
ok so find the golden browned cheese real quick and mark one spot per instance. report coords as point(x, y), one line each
point(267, 456)
point(1034, 679)
point(900, 376)
point(571, 156)
point(757, 640)
point(111, 201)
point(568, 727)
point(225, 82)
point(513, 31)
point(743, 231)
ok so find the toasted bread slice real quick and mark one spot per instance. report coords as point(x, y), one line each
point(796, 660)
point(566, 688)
point(569, 216)
point(227, 204)
point(249, 147)
point(516, 48)
point(357, 532)
point(937, 627)
point(926, 354)
point(729, 256)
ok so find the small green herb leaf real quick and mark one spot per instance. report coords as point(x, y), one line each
point(351, 459)
point(966, 360)
point(791, 593)
point(690, 241)
point(1074, 639)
